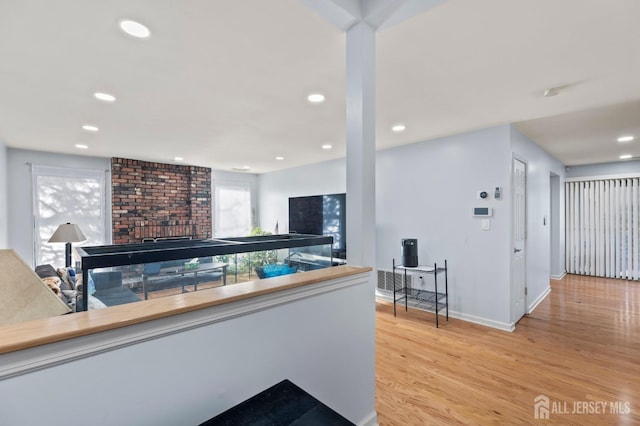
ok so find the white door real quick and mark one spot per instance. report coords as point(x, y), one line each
point(518, 255)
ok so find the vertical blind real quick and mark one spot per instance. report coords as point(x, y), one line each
point(602, 223)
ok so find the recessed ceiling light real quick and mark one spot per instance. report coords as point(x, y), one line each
point(327, 146)
point(241, 169)
point(625, 138)
point(398, 128)
point(626, 156)
point(90, 128)
point(135, 29)
point(178, 159)
point(279, 158)
point(316, 98)
point(552, 91)
point(104, 97)
point(81, 146)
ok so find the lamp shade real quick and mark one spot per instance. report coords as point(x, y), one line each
point(67, 233)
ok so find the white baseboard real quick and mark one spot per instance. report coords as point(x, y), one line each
point(540, 298)
point(370, 420)
point(386, 296)
point(504, 326)
point(559, 277)
point(459, 315)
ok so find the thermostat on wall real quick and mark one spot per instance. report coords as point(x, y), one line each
point(483, 211)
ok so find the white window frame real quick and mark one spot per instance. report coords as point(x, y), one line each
point(237, 185)
point(40, 171)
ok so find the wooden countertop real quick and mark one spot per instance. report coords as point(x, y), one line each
point(40, 332)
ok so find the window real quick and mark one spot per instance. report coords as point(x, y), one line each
point(603, 227)
point(232, 209)
point(63, 195)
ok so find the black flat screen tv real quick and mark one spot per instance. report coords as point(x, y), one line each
point(321, 215)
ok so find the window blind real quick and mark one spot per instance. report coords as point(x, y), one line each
point(603, 227)
point(232, 214)
point(63, 195)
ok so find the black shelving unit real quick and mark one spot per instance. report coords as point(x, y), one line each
point(434, 301)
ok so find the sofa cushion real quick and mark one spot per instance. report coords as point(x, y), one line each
point(47, 273)
point(152, 268)
point(115, 296)
point(109, 288)
point(107, 279)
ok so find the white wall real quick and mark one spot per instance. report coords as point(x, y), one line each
point(20, 195)
point(4, 211)
point(427, 191)
point(321, 338)
point(540, 165)
point(275, 188)
point(603, 169)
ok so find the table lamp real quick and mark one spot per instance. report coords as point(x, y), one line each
point(67, 233)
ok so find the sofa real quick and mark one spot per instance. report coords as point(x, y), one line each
point(106, 287)
point(109, 289)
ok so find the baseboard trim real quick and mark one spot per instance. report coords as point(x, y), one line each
point(504, 326)
point(459, 315)
point(559, 277)
point(384, 295)
point(370, 420)
point(540, 298)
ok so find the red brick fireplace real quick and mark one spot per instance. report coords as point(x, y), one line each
point(157, 200)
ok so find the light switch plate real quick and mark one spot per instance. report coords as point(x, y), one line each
point(486, 224)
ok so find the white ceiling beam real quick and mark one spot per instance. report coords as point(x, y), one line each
point(378, 14)
point(341, 13)
point(398, 13)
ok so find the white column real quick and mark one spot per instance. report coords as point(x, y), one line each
point(361, 241)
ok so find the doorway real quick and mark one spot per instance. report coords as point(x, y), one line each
point(518, 237)
point(555, 230)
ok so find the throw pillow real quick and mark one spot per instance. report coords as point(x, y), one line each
point(51, 278)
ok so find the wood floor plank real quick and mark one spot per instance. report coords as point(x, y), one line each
point(580, 346)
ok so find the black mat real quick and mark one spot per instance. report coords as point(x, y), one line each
point(281, 405)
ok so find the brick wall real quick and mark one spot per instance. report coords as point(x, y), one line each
point(153, 200)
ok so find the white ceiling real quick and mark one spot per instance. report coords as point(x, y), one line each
point(224, 84)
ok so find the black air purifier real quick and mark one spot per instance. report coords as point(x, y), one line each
point(410, 252)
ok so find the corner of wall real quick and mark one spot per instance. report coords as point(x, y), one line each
point(544, 238)
point(4, 189)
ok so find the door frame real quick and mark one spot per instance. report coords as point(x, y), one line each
point(512, 238)
point(556, 227)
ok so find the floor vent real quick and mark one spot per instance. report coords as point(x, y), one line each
point(385, 280)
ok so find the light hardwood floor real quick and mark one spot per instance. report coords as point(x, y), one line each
point(580, 345)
